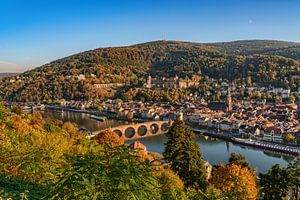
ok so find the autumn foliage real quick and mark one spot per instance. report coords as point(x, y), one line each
point(30, 146)
point(109, 137)
point(172, 186)
point(235, 182)
point(49, 158)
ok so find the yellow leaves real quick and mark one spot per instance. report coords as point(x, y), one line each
point(28, 150)
point(289, 137)
point(172, 187)
point(235, 181)
point(169, 179)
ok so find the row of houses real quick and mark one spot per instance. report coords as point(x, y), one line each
point(269, 123)
point(282, 92)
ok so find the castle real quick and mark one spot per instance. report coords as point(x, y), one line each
point(173, 82)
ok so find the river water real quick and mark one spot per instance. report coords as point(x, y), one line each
point(214, 150)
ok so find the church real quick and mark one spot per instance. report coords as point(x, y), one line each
point(225, 106)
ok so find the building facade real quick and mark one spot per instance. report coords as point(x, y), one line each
point(173, 82)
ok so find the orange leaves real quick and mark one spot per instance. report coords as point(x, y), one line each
point(109, 137)
point(235, 182)
point(70, 128)
point(20, 125)
point(37, 120)
point(143, 155)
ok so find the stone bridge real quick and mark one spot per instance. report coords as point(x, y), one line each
point(141, 130)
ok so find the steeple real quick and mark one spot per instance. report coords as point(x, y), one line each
point(199, 71)
point(228, 101)
point(149, 82)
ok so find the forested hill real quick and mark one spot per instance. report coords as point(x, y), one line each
point(269, 47)
point(132, 64)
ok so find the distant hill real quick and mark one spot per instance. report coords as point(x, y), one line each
point(4, 75)
point(267, 47)
point(261, 62)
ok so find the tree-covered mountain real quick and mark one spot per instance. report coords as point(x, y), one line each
point(267, 47)
point(132, 64)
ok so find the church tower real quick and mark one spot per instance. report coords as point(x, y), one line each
point(199, 71)
point(149, 82)
point(228, 101)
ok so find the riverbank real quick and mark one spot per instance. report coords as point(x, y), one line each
point(291, 150)
point(211, 133)
point(93, 112)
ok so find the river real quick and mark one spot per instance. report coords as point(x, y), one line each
point(214, 150)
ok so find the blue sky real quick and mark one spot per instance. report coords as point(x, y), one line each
point(34, 32)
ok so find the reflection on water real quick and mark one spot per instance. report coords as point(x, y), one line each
point(214, 150)
point(218, 151)
point(83, 120)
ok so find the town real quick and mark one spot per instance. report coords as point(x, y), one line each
point(150, 100)
point(276, 122)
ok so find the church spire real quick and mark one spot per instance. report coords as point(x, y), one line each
point(149, 82)
point(199, 71)
point(228, 101)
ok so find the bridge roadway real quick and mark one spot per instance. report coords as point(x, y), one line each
point(140, 130)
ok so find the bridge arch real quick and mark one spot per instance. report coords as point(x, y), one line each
point(129, 132)
point(141, 130)
point(154, 128)
point(165, 127)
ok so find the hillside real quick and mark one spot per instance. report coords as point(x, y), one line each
point(132, 64)
point(267, 47)
point(4, 75)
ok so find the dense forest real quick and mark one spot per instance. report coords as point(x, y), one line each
point(267, 47)
point(265, 63)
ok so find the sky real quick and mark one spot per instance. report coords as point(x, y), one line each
point(35, 32)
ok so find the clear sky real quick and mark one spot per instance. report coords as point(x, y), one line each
point(34, 32)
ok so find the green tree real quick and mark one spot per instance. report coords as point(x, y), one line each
point(115, 173)
point(3, 113)
point(184, 156)
point(217, 96)
point(275, 183)
point(289, 138)
point(249, 81)
point(294, 172)
point(172, 187)
point(19, 188)
point(119, 100)
point(292, 99)
point(239, 159)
